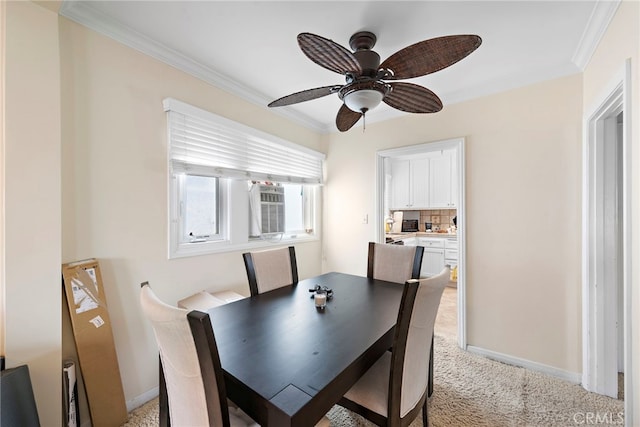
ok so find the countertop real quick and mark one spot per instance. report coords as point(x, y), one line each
point(406, 235)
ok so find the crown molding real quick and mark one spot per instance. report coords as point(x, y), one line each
point(599, 20)
point(85, 14)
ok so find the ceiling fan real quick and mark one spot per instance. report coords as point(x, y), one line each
point(366, 84)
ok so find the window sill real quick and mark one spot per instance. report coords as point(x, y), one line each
point(206, 248)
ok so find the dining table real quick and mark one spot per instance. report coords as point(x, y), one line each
point(287, 362)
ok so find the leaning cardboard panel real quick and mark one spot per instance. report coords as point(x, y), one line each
point(94, 341)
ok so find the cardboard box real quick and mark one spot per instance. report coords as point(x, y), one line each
point(94, 342)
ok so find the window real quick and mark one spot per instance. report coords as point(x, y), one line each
point(199, 196)
point(278, 210)
point(232, 187)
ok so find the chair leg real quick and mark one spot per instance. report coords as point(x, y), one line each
point(163, 398)
point(425, 414)
point(430, 382)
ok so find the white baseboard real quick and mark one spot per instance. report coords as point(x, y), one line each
point(572, 377)
point(142, 399)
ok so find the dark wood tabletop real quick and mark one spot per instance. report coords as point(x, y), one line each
point(287, 363)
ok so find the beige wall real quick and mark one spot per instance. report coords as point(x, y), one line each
point(32, 202)
point(115, 185)
point(523, 157)
point(620, 43)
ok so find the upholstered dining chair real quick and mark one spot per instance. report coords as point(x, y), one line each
point(394, 263)
point(188, 385)
point(397, 263)
point(271, 269)
point(394, 389)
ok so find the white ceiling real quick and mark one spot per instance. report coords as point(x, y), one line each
point(249, 47)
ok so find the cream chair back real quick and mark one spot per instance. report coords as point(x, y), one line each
point(271, 269)
point(418, 341)
point(394, 263)
point(185, 388)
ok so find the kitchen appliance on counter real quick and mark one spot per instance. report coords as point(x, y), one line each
point(409, 225)
point(390, 241)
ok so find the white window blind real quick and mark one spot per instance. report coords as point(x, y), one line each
point(204, 143)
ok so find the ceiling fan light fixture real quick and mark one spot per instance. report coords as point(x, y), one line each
point(363, 100)
point(363, 96)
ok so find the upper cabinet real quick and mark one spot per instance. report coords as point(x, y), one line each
point(424, 182)
point(443, 180)
point(409, 183)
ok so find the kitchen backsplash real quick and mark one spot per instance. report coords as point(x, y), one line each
point(441, 218)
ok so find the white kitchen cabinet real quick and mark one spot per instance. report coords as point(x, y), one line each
point(425, 182)
point(400, 183)
point(433, 256)
point(409, 183)
point(451, 252)
point(443, 180)
point(410, 241)
point(432, 262)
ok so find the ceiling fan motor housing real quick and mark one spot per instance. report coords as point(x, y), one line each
point(369, 61)
point(362, 40)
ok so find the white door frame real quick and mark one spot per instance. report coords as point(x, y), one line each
point(598, 279)
point(458, 145)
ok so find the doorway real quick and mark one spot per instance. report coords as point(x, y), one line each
point(456, 146)
point(607, 246)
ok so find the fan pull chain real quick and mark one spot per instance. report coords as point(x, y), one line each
point(364, 119)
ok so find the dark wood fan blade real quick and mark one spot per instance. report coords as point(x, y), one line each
point(429, 56)
point(412, 98)
point(305, 95)
point(328, 54)
point(346, 118)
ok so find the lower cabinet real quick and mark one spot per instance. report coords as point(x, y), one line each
point(432, 262)
point(438, 252)
point(433, 257)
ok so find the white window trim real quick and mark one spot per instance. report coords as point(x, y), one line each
point(236, 233)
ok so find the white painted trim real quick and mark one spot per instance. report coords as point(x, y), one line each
point(143, 398)
point(616, 95)
point(379, 201)
point(454, 143)
point(421, 148)
point(601, 16)
point(627, 271)
point(462, 246)
point(572, 377)
point(595, 350)
point(85, 14)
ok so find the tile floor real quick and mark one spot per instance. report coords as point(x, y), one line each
point(447, 318)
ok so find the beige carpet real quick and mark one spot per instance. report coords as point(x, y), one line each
point(471, 390)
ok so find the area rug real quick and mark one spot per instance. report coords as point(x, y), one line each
point(471, 390)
